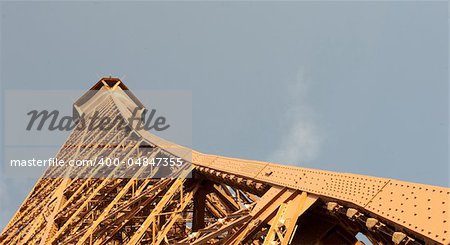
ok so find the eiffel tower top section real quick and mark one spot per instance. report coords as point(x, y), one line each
point(126, 104)
point(107, 84)
point(408, 205)
point(258, 201)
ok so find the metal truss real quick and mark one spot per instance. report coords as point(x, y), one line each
point(212, 199)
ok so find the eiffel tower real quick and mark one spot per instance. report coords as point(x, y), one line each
point(210, 199)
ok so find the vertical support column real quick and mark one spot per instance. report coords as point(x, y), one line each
point(50, 226)
point(198, 216)
point(161, 221)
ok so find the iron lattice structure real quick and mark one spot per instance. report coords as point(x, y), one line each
point(226, 201)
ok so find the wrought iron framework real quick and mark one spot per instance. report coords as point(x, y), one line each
point(225, 201)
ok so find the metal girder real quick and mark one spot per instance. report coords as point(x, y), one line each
point(404, 205)
point(228, 200)
point(223, 228)
point(151, 219)
point(51, 220)
point(176, 214)
point(114, 202)
point(199, 208)
point(84, 204)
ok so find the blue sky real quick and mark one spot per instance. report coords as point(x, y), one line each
point(357, 87)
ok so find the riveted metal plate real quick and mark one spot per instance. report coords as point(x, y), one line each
point(421, 208)
point(357, 189)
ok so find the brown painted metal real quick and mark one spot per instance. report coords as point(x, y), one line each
point(228, 200)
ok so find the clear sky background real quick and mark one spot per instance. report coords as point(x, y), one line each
point(343, 86)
